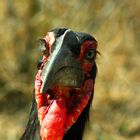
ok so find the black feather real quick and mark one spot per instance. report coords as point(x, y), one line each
point(32, 131)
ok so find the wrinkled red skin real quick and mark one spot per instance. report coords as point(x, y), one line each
point(57, 115)
point(52, 127)
point(86, 66)
point(83, 95)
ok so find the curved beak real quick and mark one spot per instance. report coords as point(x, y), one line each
point(62, 67)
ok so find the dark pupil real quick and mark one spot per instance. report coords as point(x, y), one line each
point(90, 54)
point(39, 64)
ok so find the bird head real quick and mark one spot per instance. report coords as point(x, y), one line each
point(69, 59)
point(64, 86)
point(65, 80)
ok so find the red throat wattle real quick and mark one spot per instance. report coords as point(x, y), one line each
point(56, 115)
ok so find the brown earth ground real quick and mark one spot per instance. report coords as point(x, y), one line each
point(115, 114)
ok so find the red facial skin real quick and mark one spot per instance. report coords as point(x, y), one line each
point(86, 65)
point(57, 115)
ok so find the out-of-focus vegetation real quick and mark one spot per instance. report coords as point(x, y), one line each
point(114, 23)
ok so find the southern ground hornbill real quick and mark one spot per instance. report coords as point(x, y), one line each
point(64, 86)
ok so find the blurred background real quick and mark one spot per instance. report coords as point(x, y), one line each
point(115, 114)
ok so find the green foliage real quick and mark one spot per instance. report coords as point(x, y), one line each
point(115, 24)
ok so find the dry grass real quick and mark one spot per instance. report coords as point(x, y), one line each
point(115, 24)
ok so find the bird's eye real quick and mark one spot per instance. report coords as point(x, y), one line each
point(44, 47)
point(39, 64)
point(90, 54)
